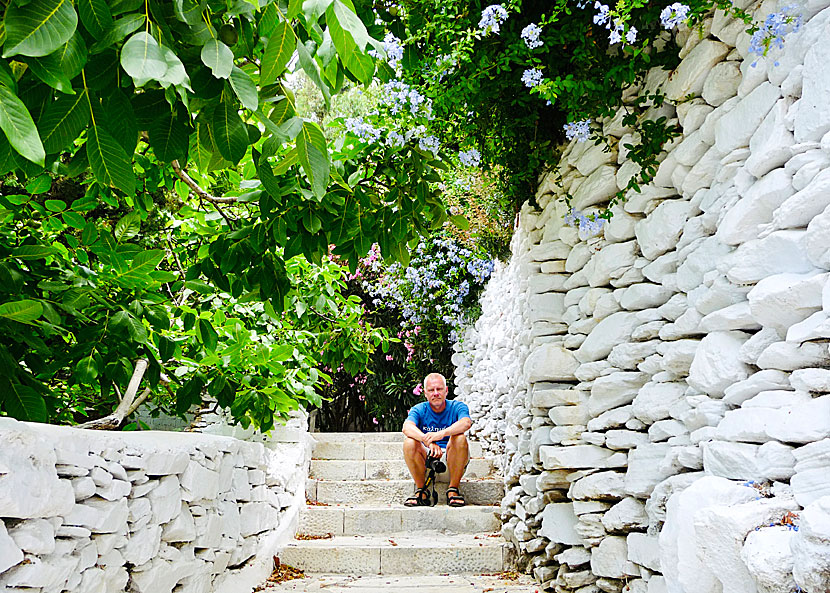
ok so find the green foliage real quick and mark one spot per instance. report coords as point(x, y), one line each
point(162, 199)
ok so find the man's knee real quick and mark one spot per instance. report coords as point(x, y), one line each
point(411, 446)
point(459, 442)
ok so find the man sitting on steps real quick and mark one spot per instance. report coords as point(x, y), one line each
point(431, 428)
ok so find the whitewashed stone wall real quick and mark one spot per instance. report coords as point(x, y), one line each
point(661, 392)
point(146, 512)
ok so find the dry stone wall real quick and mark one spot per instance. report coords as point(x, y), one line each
point(146, 512)
point(660, 394)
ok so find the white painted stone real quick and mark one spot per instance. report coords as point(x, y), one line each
point(737, 316)
point(703, 257)
point(644, 296)
point(558, 523)
point(765, 380)
point(600, 485)
point(627, 514)
point(10, 553)
point(682, 569)
point(811, 547)
point(798, 210)
point(614, 390)
point(777, 253)
point(816, 239)
point(610, 263)
point(550, 362)
point(612, 330)
point(778, 398)
point(597, 188)
point(644, 472)
point(811, 380)
point(770, 143)
point(813, 118)
point(610, 559)
point(611, 418)
point(644, 550)
point(655, 400)
point(29, 484)
point(691, 73)
point(678, 355)
point(721, 83)
point(628, 355)
point(716, 365)
point(769, 560)
point(782, 300)
point(756, 206)
point(166, 499)
point(736, 127)
point(753, 348)
point(787, 356)
point(580, 456)
point(548, 306)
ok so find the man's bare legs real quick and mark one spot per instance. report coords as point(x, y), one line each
point(458, 454)
point(415, 456)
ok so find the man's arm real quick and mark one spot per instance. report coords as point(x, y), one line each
point(460, 426)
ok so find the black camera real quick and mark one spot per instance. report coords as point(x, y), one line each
point(435, 464)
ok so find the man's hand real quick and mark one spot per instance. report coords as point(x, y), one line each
point(430, 441)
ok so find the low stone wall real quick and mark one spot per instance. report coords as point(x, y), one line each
point(146, 511)
point(661, 392)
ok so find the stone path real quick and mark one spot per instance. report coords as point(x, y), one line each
point(355, 535)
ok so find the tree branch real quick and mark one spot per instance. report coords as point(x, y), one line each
point(197, 189)
point(128, 404)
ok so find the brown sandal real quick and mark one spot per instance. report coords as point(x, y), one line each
point(455, 498)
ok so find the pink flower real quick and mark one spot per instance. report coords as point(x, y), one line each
point(418, 389)
point(361, 397)
point(375, 420)
point(390, 357)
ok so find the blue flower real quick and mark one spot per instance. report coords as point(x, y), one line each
point(674, 14)
point(470, 158)
point(532, 77)
point(601, 17)
point(580, 130)
point(530, 34)
point(491, 19)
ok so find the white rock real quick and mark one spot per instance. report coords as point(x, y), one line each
point(627, 514)
point(550, 362)
point(609, 332)
point(678, 355)
point(777, 253)
point(768, 559)
point(716, 365)
point(703, 257)
point(721, 83)
point(614, 390)
point(611, 419)
point(643, 472)
point(753, 348)
point(811, 380)
point(610, 262)
point(580, 456)
point(736, 127)
point(691, 73)
point(756, 206)
point(787, 356)
point(799, 209)
point(198, 483)
point(610, 559)
point(654, 401)
point(737, 316)
point(782, 300)
point(754, 384)
point(660, 231)
point(558, 523)
point(99, 516)
point(644, 550)
point(600, 485)
point(10, 553)
point(812, 120)
point(811, 547)
point(770, 143)
point(597, 188)
point(29, 484)
point(816, 239)
point(644, 296)
point(166, 499)
point(682, 568)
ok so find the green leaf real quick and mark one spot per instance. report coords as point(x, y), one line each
point(314, 9)
point(119, 30)
point(34, 252)
point(118, 118)
point(313, 155)
point(169, 137)
point(109, 161)
point(63, 121)
point(244, 88)
point(39, 185)
point(218, 57)
point(86, 370)
point(128, 227)
point(39, 27)
point(230, 133)
point(295, 7)
point(19, 128)
point(313, 71)
point(134, 327)
point(55, 205)
point(61, 66)
point(461, 222)
point(188, 11)
point(95, 15)
point(208, 335)
point(74, 220)
point(24, 311)
point(24, 403)
point(278, 52)
point(147, 106)
point(349, 22)
point(146, 261)
point(143, 59)
point(167, 348)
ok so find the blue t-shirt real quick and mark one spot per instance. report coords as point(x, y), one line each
point(427, 420)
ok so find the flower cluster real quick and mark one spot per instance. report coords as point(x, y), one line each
point(392, 47)
point(362, 129)
point(530, 34)
point(532, 77)
point(429, 144)
point(603, 17)
point(581, 130)
point(674, 14)
point(589, 226)
point(771, 34)
point(470, 158)
point(491, 19)
point(399, 96)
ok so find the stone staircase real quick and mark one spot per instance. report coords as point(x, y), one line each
point(355, 525)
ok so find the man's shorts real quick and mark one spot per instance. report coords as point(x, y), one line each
point(444, 454)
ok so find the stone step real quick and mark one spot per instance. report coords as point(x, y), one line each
point(369, 450)
point(479, 492)
point(451, 583)
point(358, 437)
point(424, 553)
point(385, 469)
point(396, 518)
